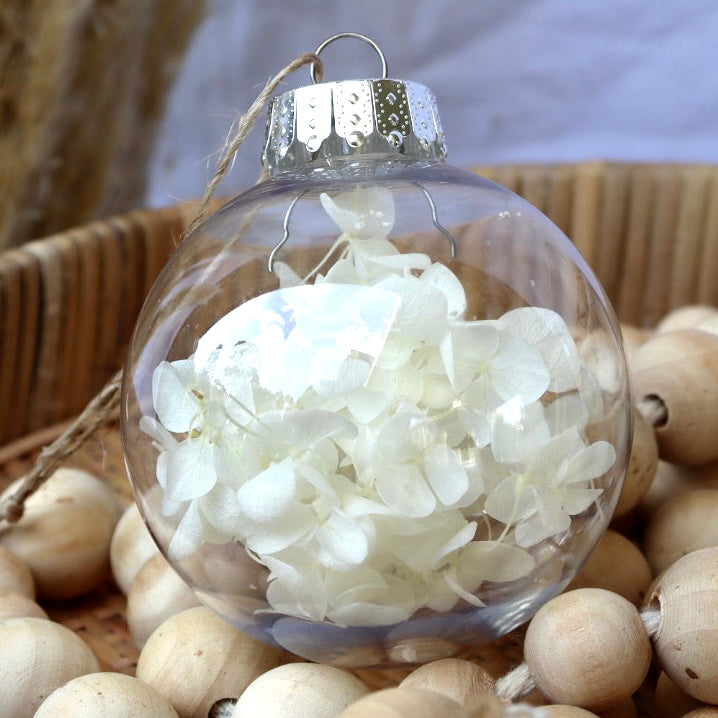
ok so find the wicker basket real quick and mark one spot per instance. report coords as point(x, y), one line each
point(68, 304)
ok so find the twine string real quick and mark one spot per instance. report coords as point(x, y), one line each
point(515, 685)
point(105, 404)
point(242, 127)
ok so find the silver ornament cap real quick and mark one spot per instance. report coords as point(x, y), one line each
point(352, 118)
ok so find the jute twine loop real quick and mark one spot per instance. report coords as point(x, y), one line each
point(105, 405)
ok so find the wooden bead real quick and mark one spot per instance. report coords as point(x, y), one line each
point(675, 376)
point(156, 594)
point(454, 678)
point(64, 535)
point(685, 523)
point(315, 689)
point(195, 658)
point(587, 648)
point(37, 657)
point(616, 564)
point(685, 317)
point(399, 703)
point(642, 466)
point(669, 701)
point(106, 695)
point(686, 594)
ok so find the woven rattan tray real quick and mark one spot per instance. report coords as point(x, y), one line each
point(68, 304)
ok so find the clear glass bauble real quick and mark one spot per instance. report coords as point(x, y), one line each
point(376, 453)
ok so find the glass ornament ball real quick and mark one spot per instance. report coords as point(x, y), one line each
point(376, 411)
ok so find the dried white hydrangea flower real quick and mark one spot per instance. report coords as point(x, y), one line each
point(351, 432)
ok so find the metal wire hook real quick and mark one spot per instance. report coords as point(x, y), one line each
point(358, 36)
point(285, 236)
point(435, 220)
point(425, 192)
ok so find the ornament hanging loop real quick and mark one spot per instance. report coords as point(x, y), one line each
point(338, 36)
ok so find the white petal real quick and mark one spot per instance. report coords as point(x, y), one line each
point(457, 541)
point(400, 436)
point(191, 469)
point(399, 385)
point(366, 405)
point(576, 500)
point(547, 332)
point(420, 543)
point(438, 392)
point(189, 535)
point(303, 428)
point(566, 411)
point(362, 212)
point(343, 539)
point(542, 525)
point(403, 488)
point(221, 509)
point(376, 606)
point(345, 586)
point(369, 614)
point(269, 495)
point(481, 395)
point(175, 404)
point(440, 596)
point(351, 375)
point(445, 474)
point(556, 452)
point(397, 351)
point(467, 351)
point(492, 561)
point(591, 462)
point(441, 277)
point(476, 425)
point(511, 500)
point(361, 506)
point(423, 311)
point(517, 369)
point(518, 431)
point(296, 588)
point(264, 539)
point(455, 584)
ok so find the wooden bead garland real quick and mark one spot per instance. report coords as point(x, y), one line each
point(588, 647)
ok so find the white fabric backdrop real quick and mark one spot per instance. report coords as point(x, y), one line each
point(516, 80)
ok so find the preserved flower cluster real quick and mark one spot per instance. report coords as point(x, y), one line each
point(377, 451)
